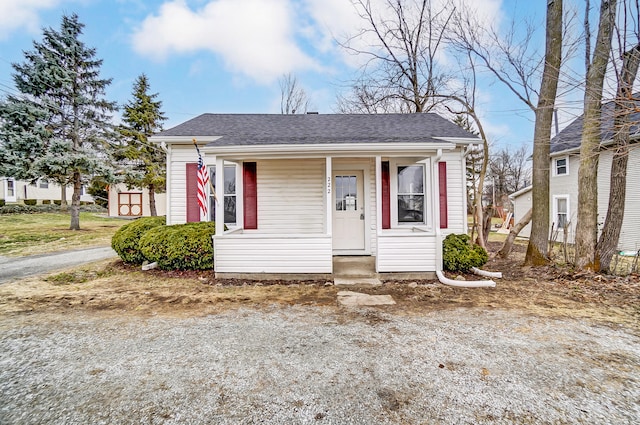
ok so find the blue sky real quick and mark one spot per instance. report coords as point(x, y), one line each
point(225, 56)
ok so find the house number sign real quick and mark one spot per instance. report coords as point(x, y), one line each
point(328, 185)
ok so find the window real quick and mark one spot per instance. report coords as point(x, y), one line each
point(11, 189)
point(561, 166)
point(411, 194)
point(228, 196)
point(44, 184)
point(346, 193)
point(562, 211)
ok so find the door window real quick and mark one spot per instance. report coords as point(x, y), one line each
point(346, 188)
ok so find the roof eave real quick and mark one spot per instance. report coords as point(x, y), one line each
point(329, 149)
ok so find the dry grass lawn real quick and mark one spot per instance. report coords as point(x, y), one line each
point(30, 234)
point(112, 287)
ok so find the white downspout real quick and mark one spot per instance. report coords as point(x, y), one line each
point(465, 283)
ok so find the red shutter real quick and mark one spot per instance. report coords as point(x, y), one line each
point(250, 195)
point(386, 196)
point(442, 180)
point(193, 210)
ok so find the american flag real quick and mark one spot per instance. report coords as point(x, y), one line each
point(203, 182)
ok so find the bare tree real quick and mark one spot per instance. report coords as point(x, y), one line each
point(587, 217)
point(516, 64)
point(293, 98)
point(509, 172)
point(625, 105)
point(401, 72)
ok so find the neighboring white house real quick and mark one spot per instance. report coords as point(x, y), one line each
point(297, 190)
point(124, 202)
point(563, 182)
point(16, 191)
point(521, 204)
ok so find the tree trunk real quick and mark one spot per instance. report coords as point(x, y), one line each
point(515, 231)
point(75, 202)
point(537, 250)
point(63, 197)
point(152, 200)
point(610, 236)
point(587, 222)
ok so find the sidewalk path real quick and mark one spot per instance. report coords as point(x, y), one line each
point(13, 268)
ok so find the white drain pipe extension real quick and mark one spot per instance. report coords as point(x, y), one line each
point(465, 283)
point(497, 275)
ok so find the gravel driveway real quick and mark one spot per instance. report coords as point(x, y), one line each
point(311, 365)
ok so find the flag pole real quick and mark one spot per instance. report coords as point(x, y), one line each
point(213, 190)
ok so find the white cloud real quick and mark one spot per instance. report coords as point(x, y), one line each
point(254, 37)
point(17, 14)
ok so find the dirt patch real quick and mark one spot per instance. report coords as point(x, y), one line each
point(112, 286)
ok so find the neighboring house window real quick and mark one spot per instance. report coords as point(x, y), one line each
point(11, 188)
point(411, 194)
point(228, 197)
point(562, 211)
point(44, 184)
point(561, 166)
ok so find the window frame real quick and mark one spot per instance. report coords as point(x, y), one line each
point(427, 207)
point(566, 165)
point(556, 211)
point(10, 186)
point(225, 195)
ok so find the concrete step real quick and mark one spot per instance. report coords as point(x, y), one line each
point(355, 280)
point(354, 266)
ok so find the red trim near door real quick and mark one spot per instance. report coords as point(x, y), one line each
point(442, 185)
point(386, 195)
point(250, 195)
point(193, 210)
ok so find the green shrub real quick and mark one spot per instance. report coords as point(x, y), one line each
point(458, 255)
point(57, 202)
point(1, 202)
point(30, 201)
point(125, 242)
point(46, 201)
point(181, 246)
point(18, 209)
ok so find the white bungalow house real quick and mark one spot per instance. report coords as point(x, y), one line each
point(296, 190)
point(563, 181)
point(13, 191)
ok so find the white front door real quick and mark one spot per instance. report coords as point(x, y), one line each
point(348, 211)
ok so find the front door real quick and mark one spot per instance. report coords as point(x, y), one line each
point(348, 211)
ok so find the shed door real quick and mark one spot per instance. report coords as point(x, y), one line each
point(348, 211)
point(130, 204)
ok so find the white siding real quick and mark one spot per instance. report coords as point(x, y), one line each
point(456, 194)
point(291, 196)
point(522, 204)
point(409, 252)
point(245, 253)
point(565, 185)
point(180, 156)
point(630, 232)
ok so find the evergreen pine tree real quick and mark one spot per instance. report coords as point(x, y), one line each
point(70, 140)
point(142, 118)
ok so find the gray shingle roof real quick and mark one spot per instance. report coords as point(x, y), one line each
point(571, 136)
point(271, 129)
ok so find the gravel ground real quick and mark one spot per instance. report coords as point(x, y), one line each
point(311, 365)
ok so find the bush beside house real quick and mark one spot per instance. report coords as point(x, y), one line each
point(177, 247)
point(126, 239)
point(458, 255)
point(180, 246)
